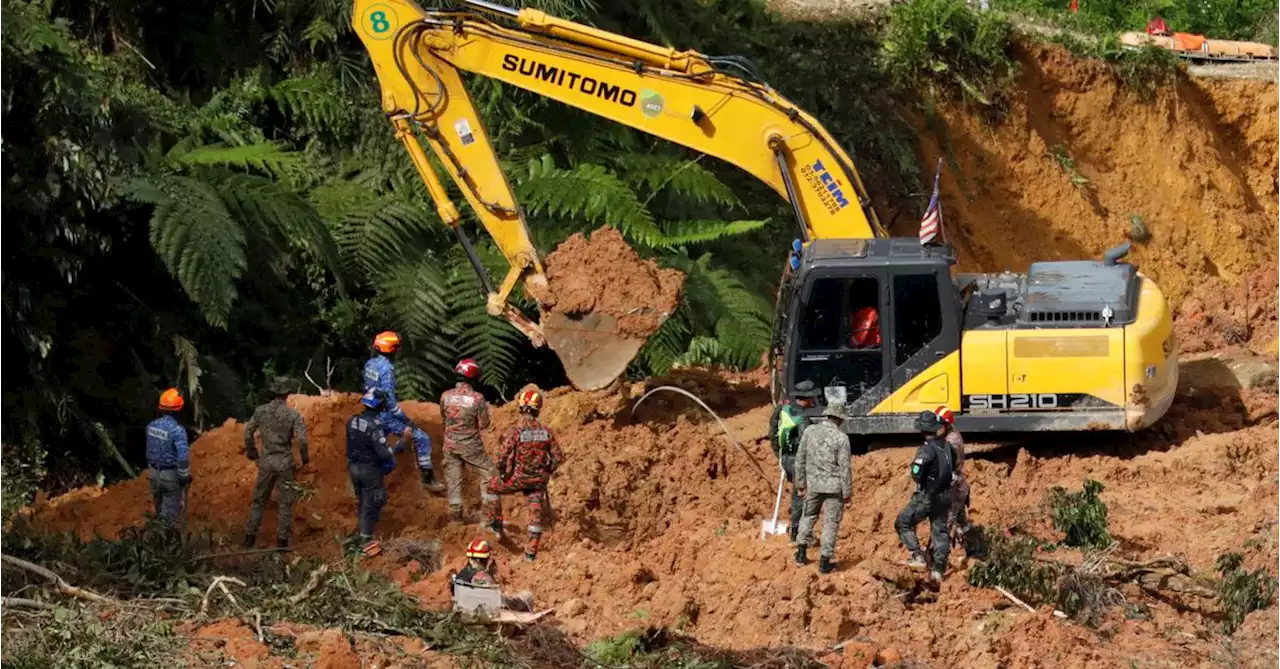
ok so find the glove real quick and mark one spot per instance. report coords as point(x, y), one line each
point(184, 477)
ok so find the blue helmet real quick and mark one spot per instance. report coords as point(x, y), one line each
point(374, 398)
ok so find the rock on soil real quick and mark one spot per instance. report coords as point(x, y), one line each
point(604, 274)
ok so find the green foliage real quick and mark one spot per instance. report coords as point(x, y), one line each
point(944, 42)
point(1011, 564)
point(77, 636)
point(1081, 516)
point(1240, 592)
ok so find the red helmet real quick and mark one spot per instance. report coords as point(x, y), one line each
point(530, 399)
point(478, 549)
point(467, 368)
point(171, 400)
point(946, 415)
point(387, 342)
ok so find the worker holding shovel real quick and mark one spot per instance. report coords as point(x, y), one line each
point(785, 429)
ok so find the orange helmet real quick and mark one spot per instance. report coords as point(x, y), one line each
point(478, 549)
point(946, 415)
point(387, 342)
point(171, 400)
point(529, 399)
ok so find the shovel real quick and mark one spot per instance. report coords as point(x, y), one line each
point(769, 528)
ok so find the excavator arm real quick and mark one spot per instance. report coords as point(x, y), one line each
point(715, 105)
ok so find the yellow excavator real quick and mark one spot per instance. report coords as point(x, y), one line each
point(1074, 345)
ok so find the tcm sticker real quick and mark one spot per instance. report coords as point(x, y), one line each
point(651, 103)
point(464, 132)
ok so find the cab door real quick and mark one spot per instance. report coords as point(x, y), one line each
point(825, 349)
point(925, 333)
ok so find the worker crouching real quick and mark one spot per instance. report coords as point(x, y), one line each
point(528, 457)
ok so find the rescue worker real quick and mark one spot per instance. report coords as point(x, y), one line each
point(380, 374)
point(481, 570)
point(168, 458)
point(465, 413)
point(279, 424)
point(958, 524)
point(932, 469)
point(785, 430)
point(368, 463)
point(824, 477)
point(527, 458)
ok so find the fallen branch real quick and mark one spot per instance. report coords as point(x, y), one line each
point(256, 551)
point(22, 602)
point(313, 582)
point(58, 582)
point(1009, 596)
point(328, 377)
point(219, 582)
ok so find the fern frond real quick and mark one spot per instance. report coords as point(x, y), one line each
point(666, 345)
point(706, 352)
point(195, 234)
point(686, 178)
point(414, 300)
point(684, 233)
point(376, 233)
point(277, 212)
point(265, 157)
point(590, 193)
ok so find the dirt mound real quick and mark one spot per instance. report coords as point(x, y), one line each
point(604, 274)
point(1079, 164)
point(1221, 313)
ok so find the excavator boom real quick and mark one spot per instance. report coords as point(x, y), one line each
point(715, 105)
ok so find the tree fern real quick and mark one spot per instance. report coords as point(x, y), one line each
point(198, 239)
point(266, 157)
point(687, 178)
point(706, 352)
point(667, 344)
point(412, 300)
point(371, 233)
point(684, 233)
point(589, 193)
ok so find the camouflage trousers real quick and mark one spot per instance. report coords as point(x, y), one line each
point(831, 506)
point(273, 471)
point(166, 494)
point(458, 459)
point(535, 497)
point(937, 508)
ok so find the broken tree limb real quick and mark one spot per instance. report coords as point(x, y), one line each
point(23, 603)
point(1009, 596)
point(219, 582)
point(313, 582)
point(58, 582)
point(256, 551)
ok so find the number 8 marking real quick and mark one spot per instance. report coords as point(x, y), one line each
point(379, 22)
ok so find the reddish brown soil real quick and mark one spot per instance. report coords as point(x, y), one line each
point(1220, 313)
point(604, 274)
point(230, 642)
point(1197, 164)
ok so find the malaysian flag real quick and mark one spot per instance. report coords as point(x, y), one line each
point(931, 222)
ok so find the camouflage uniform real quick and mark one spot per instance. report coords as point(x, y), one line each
point(824, 472)
point(932, 469)
point(529, 455)
point(465, 413)
point(959, 520)
point(279, 424)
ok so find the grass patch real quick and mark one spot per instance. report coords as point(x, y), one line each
point(944, 45)
point(1241, 592)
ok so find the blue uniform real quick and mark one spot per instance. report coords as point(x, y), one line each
point(168, 458)
point(368, 462)
point(380, 374)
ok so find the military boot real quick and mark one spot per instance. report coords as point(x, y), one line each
point(494, 528)
point(455, 513)
point(282, 543)
point(429, 481)
point(801, 558)
point(917, 561)
point(825, 565)
point(249, 540)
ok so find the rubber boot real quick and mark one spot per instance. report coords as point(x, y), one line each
point(825, 565)
point(429, 481)
point(801, 558)
point(494, 528)
point(455, 513)
point(935, 575)
point(792, 533)
point(917, 561)
point(249, 540)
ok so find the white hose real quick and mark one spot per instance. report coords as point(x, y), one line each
point(724, 427)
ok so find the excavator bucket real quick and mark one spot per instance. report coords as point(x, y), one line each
point(591, 349)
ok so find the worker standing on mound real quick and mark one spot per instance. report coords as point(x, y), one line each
point(958, 524)
point(279, 424)
point(529, 456)
point(380, 374)
point(824, 477)
point(465, 413)
point(368, 463)
point(785, 431)
point(933, 470)
point(168, 458)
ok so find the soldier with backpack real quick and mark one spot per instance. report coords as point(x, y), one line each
point(785, 429)
point(933, 470)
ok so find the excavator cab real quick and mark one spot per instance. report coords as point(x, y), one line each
point(822, 321)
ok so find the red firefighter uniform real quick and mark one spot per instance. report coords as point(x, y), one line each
point(465, 414)
point(528, 457)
